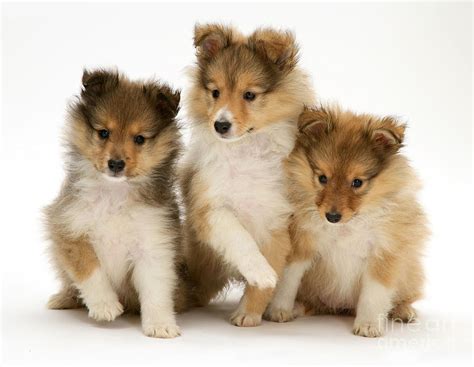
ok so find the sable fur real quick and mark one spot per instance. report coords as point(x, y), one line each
point(140, 203)
point(234, 186)
point(375, 250)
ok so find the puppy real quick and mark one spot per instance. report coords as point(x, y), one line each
point(357, 224)
point(243, 104)
point(114, 228)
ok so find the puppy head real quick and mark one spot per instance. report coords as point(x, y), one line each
point(124, 128)
point(346, 155)
point(241, 82)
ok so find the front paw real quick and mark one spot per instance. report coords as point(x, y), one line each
point(370, 329)
point(161, 330)
point(243, 319)
point(280, 315)
point(105, 310)
point(259, 274)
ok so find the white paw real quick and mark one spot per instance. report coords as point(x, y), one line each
point(259, 274)
point(242, 319)
point(280, 314)
point(105, 310)
point(370, 329)
point(167, 331)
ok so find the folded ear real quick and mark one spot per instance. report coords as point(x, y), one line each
point(165, 99)
point(96, 83)
point(278, 47)
point(314, 122)
point(387, 134)
point(209, 39)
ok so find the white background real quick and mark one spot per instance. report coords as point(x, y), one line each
point(409, 59)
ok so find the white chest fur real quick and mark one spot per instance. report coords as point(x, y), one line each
point(247, 177)
point(121, 230)
point(342, 254)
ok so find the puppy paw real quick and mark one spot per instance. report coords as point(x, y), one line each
point(63, 301)
point(165, 331)
point(403, 313)
point(245, 319)
point(259, 274)
point(280, 315)
point(370, 329)
point(105, 310)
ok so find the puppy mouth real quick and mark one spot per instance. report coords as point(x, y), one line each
point(230, 139)
point(115, 176)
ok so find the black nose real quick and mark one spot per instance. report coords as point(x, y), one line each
point(222, 126)
point(116, 165)
point(333, 217)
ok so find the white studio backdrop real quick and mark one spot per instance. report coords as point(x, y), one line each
point(408, 59)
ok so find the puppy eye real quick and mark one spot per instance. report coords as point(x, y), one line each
point(215, 94)
point(249, 96)
point(104, 134)
point(357, 183)
point(139, 139)
point(323, 179)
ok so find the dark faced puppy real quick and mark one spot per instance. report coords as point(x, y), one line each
point(114, 228)
point(357, 225)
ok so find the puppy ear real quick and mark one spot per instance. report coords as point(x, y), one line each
point(280, 48)
point(98, 82)
point(209, 39)
point(387, 135)
point(314, 122)
point(165, 99)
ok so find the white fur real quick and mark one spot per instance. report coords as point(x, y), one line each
point(126, 234)
point(246, 192)
point(281, 307)
point(375, 301)
point(100, 298)
point(342, 251)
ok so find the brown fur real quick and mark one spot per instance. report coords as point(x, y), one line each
point(344, 146)
point(263, 63)
point(126, 109)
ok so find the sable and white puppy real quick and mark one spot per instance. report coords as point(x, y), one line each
point(114, 227)
point(243, 105)
point(357, 224)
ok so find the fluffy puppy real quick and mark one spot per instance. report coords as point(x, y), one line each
point(244, 101)
point(357, 224)
point(114, 228)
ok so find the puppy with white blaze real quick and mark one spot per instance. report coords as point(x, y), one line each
point(243, 105)
point(358, 231)
point(114, 228)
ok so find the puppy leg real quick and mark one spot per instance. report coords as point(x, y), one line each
point(375, 301)
point(67, 298)
point(78, 259)
point(155, 279)
point(403, 312)
point(231, 240)
point(255, 300)
point(281, 308)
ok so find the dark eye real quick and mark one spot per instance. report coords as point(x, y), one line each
point(139, 139)
point(249, 96)
point(215, 94)
point(323, 179)
point(104, 134)
point(357, 183)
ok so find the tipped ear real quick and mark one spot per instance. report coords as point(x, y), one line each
point(388, 135)
point(278, 47)
point(96, 83)
point(209, 39)
point(165, 99)
point(314, 122)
